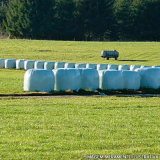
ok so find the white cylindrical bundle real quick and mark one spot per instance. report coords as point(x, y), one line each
point(91, 65)
point(102, 66)
point(150, 77)
point(10, 63)
point(40, 80)
point(29, 64)
point(131, 80)
point(113, 66)
point(20, 64)
point(110, 79)
point(80, 65)
point(59, 65)
point(124, 67)
point(89, 78)
point(69, 65)
point(133, 67)
point(66, 79)
point(49, 65)
point(39, 64)
point(2, 63)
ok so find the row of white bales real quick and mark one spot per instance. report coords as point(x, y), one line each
point(49, 76)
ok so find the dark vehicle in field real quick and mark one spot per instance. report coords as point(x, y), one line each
point(109, 54)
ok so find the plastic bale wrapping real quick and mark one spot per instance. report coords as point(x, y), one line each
point(113, 66)
point(39, 64)
point(102, 66)
point(110, 79)
point(59, 65)
point(91, 65)
point(49, 65)
point(10, 63)
point(133, 67)
point(123, 67)
point(155, 66)
point(29, 64)
point(131, 80)
point(150, 77)
point(66, 79)
point(2, 63)
point(40, 80)
point(20, 64)
point(145, 66)
point(69, 65)
point(89, 78)
point(80, 65)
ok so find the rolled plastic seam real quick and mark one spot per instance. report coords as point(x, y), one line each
point(59, 65)
point(2, 63)
point(131, 80)
point(39, 64)
point(69, 65)
point(10, 63)
point(66, 79)
point(40, 80)
point(91, 65)
point(123, 67)
point(111, 79)
point(89, 78)
point(150, 77)
point(113, 66)
point(49, 65)
point(133, 67)
point(102, 66)
point(80, 65)
point(20, 63)
point(29, 64)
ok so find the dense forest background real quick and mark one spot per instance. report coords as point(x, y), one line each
point(98, 20)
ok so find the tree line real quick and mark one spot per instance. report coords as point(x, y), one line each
point(136, 20)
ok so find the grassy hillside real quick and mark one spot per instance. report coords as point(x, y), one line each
point(140, 53)
point(70, 128)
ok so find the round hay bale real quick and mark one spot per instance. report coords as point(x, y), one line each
point(91, 65)
point(133, 67)
point(20, 64)
point(29, 64)
point(2, 63)
point(80, 65)
point(40, 80)
point(69, 65)
point(49, 65)
point(10, 63)
point(59, 65)
point(123, 67)
point(113, 66)
point(39, 64)
point(102, 66)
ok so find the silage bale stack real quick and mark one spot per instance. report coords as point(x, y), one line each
point(66, 79)
point(10, 63)
point(91, 65)
point(29, 64)
point(80, 65)
point(20, 64)
point(150, 77)
point(69, 65)
point(59, 65)
point(111, 79)
point(39, 64)
point(131, 80)
point(89, 78)
point(113, 66)
point(40, 80)
point(2, 63)
point(49, 65)
point(102, 66)
point(124, 67)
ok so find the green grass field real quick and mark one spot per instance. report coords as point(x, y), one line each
point(70, 128)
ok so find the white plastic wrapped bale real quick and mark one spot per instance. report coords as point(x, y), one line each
point(131, 80)
point(145, 66)
point(113, 66)
point(59, 65)
point(29, 64)
point(133, 67)
point(102, 66)
point(150, 77)
point(89, 78)
point(20, 64)
point(80, 65)
point(69, 65)
point(124, 67)
point(39, 64)
point(155, 66)
point(40, 80)
point(91, 65)
point(111, 79)
point(49, 65)
point(2, 63)
point(10, 63)
point(67, 79)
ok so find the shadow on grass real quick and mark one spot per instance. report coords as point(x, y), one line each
point(133, 60)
